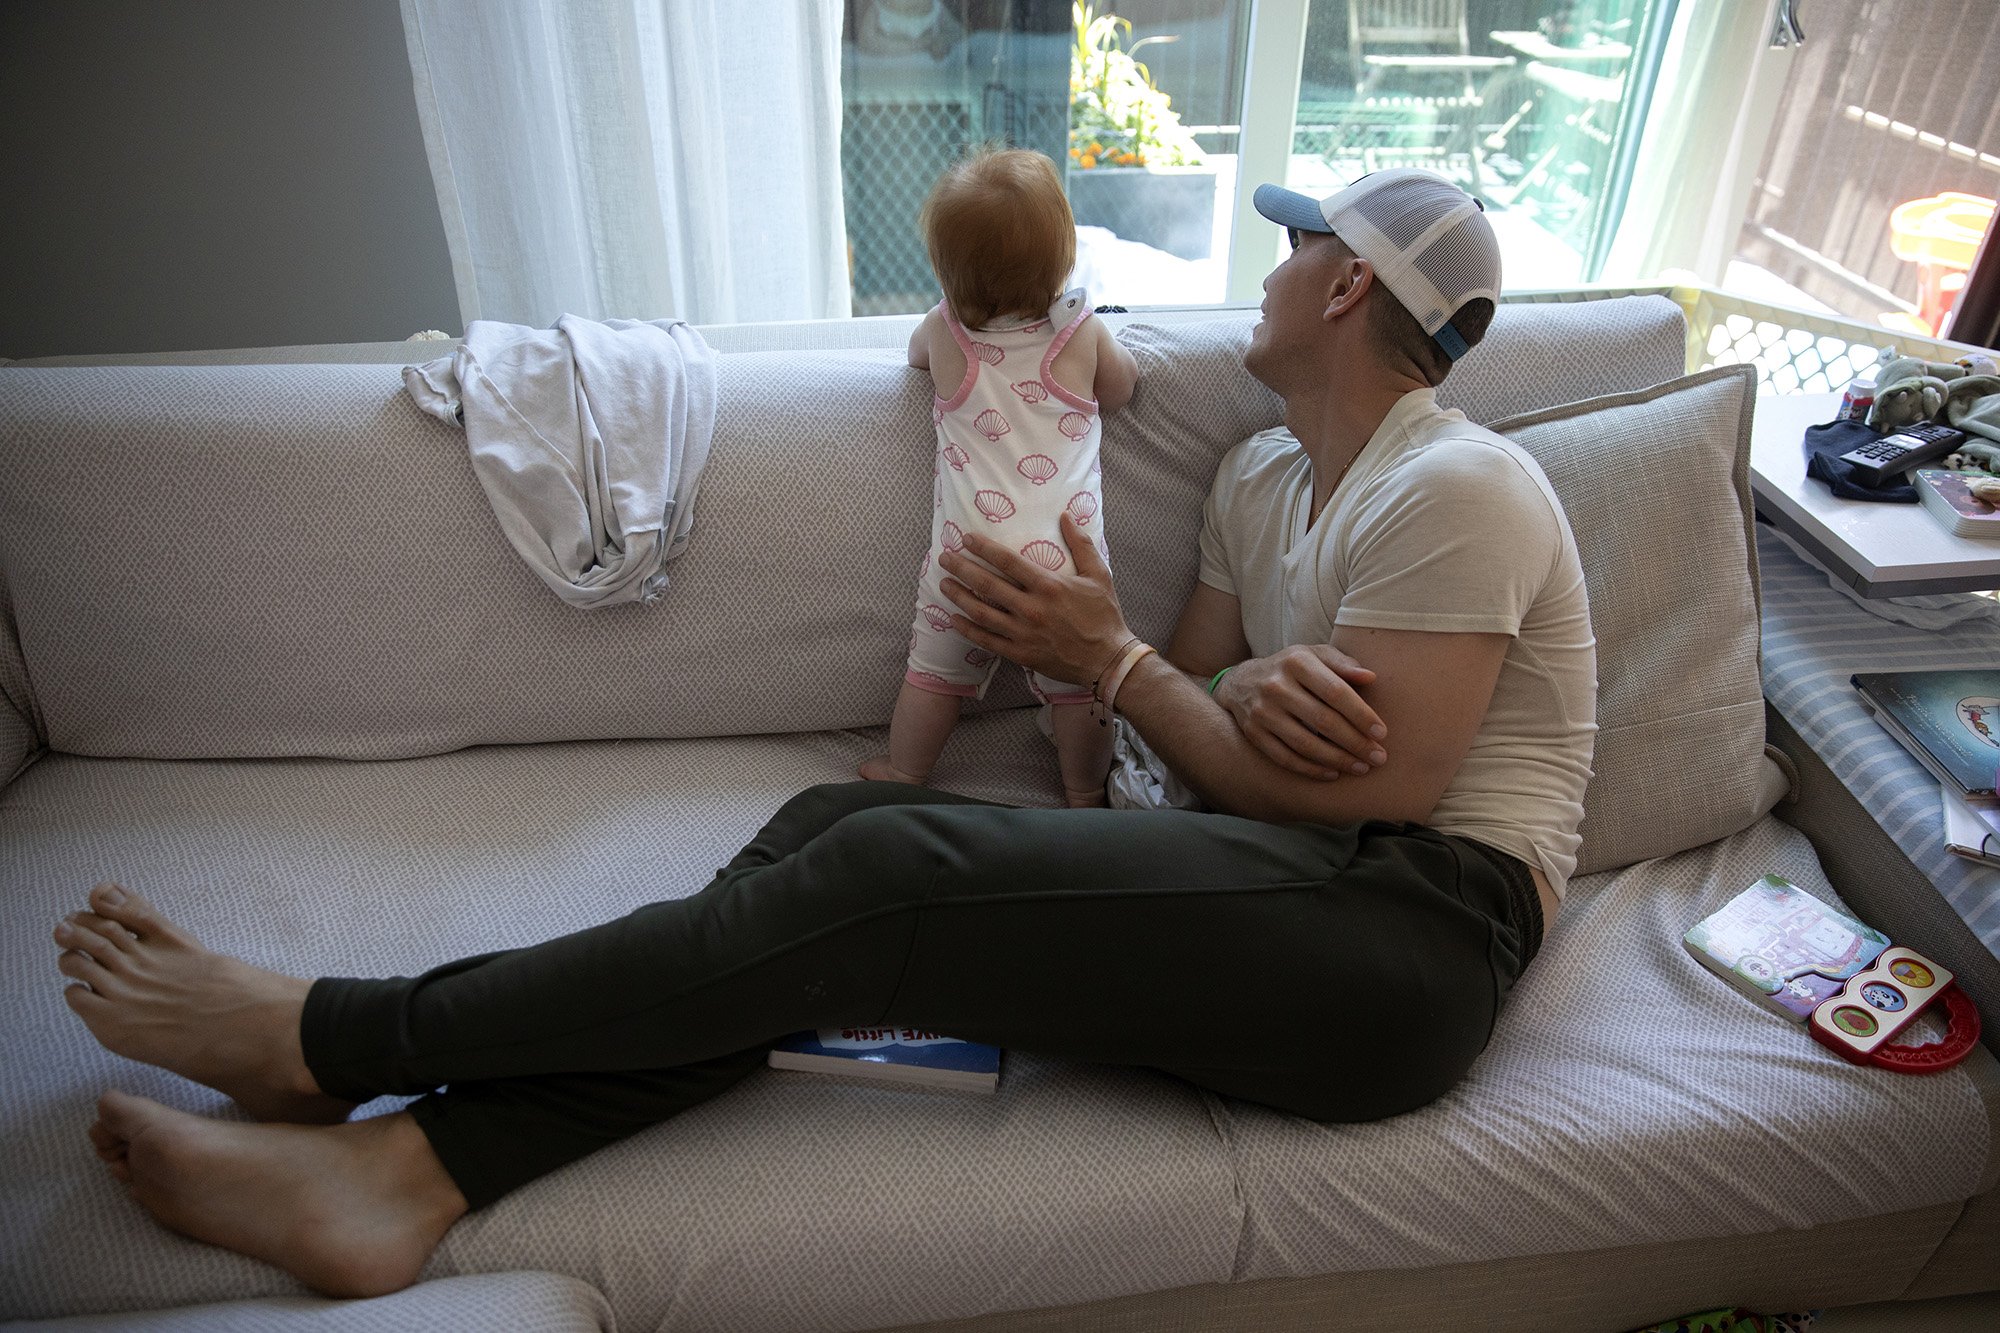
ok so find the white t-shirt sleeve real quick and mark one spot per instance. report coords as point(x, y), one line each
point(1456, 538)
point(1214, 569)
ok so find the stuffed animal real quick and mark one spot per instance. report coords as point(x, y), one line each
point(1909, 390)
point(1972, 404)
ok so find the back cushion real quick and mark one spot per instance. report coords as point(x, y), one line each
point(254, 561)
point(1656, 485)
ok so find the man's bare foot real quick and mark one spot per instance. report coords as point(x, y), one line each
point(150, 992)
point(349, 1210)
point(879, 769)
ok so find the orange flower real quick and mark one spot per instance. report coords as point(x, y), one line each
point(1089, 161)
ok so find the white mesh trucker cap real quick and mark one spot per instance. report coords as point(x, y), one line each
point(1428, 241)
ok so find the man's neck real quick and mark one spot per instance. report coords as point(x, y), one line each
point(1335, 421)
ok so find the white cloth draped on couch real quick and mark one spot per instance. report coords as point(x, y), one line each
point(636, 158)
point(589, 439)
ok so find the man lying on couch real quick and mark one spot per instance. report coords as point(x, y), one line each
point(1229, 948)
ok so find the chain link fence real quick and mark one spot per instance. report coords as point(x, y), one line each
point(890, 153)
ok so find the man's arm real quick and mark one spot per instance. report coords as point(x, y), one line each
point(1431, 692)
point(1298, 708)
point(1209, 636)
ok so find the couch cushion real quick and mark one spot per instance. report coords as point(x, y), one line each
point(1657, 488)
point(517, 1302)
point(257, 561)
point(792, 1201)
point(1612, 1102)
point(1628, 1097)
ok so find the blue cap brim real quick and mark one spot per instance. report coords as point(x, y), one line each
point(1289, 208)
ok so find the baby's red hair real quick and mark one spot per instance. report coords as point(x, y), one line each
point(1000, 235)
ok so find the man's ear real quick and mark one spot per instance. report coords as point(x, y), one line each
point(1350, 284)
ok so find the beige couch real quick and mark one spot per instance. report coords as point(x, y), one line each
point(265, 656)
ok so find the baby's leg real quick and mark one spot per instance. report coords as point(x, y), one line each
point(917, 732)
point(1083, 749)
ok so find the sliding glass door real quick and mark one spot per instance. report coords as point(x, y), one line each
point(1162, 112)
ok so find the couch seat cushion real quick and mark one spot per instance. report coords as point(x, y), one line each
point(1628, 1097)
point(518, 1302)
point(791, 1202)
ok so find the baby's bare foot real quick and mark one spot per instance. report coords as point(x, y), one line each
point(150, 992)
point(879, 769)
point(350, 1210)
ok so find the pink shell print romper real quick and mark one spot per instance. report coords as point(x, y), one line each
point(1014, 450)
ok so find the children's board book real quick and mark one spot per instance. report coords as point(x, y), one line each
point(1783, 947)
point(1949, 720)
point(892, 1055)
point(1953, 505)
point(1972, 832)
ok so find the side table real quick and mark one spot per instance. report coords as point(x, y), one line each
point(1880, 550)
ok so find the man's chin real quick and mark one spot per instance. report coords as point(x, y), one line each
point(1254, 357)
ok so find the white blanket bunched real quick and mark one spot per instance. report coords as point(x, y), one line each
point(589, 439)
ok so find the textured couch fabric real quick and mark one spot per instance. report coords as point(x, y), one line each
point(517, 1302)
point(230, 583)
point(1678, 759)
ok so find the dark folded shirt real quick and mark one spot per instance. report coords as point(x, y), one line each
point(1824, 446)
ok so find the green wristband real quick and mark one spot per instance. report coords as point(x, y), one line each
point(1216, 679)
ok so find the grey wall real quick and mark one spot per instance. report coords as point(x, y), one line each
point(212, 173)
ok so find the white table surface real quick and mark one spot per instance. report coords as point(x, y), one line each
point(1883, 550)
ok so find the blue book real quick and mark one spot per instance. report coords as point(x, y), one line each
point(1948, 720)
point(892, 1055)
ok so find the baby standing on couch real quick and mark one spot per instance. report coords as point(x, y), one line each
point(1022, 375)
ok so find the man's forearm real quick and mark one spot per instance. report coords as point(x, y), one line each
point(1201, 743)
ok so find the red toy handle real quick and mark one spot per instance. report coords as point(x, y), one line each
point(1934, 1057)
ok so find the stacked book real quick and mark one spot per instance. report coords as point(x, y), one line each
point(1961, 502)
point(1950, 722)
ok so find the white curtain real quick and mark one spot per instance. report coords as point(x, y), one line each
point(1706, 130)
point(639, 159)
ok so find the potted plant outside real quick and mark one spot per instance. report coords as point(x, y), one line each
point(1133, 167)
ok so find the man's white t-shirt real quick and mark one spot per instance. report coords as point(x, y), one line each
point(1439, 525)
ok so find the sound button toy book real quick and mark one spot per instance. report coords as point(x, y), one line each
point(1854, 990)
point(1783, 947)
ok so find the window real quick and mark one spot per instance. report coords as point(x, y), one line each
point(1524, 102)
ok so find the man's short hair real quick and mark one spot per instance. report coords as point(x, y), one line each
point(1394, 331)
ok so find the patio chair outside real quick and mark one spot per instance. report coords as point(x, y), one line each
point(1426, 35)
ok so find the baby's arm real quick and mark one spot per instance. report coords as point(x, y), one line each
point(1117, 370)
point(933, 348)
point(920, 341)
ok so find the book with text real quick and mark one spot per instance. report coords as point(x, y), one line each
point(1783, 947)
point(1949, 721)
point(907, 1056)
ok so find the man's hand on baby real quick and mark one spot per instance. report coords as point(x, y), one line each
point(1064, 623)
point(1300, 710)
